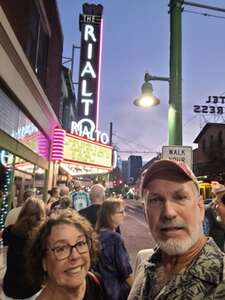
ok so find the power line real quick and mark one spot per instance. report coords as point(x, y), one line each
point(131, 142)
point(130, 151)
point(203, 14)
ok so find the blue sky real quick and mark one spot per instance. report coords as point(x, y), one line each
point(136, 39)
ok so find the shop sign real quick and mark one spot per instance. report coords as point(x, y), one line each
point(86, 128)
point(178, 153)
point(211, 106)
point(25, 130)
point(90, 61)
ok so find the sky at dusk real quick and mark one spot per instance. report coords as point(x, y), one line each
point(136, 37)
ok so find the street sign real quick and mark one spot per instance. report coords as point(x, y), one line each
point(178, 153)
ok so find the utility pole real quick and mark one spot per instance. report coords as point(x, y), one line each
point(175, 83)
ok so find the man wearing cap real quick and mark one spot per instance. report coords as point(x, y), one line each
point(186, 264)
point(80, 199)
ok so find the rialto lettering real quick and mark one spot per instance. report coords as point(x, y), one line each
point(86, 128)
point(88, 90)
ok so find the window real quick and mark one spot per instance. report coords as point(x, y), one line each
point(38, 42)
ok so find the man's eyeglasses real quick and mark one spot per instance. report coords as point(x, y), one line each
point(64, 251)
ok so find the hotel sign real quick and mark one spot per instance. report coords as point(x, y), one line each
point(90, 63)
point(214, 105)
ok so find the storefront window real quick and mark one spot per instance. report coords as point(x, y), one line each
point(16, 177)
point(14, 122)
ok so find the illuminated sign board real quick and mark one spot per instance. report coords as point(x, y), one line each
point(80, 150)
point(211, 106)
point(90, 62)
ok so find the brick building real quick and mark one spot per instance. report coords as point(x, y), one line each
point(31, 43)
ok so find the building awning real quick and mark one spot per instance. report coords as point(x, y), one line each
point(77, 169)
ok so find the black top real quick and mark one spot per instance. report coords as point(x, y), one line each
point(94, 290)
point(91, 213)
point(15, 283)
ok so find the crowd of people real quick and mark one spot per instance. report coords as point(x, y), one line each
point(71, 247)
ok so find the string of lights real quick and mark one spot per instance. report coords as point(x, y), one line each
point(5, 198)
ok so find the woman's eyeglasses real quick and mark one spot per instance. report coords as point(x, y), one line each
point(64, 251)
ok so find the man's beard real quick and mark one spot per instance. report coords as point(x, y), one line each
point(173, 246)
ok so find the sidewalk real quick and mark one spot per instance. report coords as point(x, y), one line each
point(133, 202)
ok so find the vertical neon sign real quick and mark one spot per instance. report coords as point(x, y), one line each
point(90, 63)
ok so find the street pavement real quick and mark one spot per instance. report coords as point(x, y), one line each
point(135, 230)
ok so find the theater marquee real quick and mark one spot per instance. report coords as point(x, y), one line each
point(84, 151)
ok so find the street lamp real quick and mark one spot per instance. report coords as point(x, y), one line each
point(147, 98)
point(175, 80)
point(175, 95)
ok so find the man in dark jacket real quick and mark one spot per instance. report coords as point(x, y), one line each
point(97, 196)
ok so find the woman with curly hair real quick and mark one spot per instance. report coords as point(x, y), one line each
point(18, 238)
point(61, 258)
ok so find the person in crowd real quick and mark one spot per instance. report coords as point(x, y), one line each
point(61, 258)
point(113, 263)
point(14, 212)
point(214, 225)
point(97, 196)
point(64, 192)
point(63, 203)
point(220, 207)
point(186, 264)
point(80, 199)
point(54, 196)
point(18, 238)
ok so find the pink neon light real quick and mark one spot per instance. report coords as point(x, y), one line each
point(99, 74)
point(58, 144)
point(58, 135)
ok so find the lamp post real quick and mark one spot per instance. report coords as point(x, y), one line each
point(175, 78)
point(175, 91)
point(175, 83)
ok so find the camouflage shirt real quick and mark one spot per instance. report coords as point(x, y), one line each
point(204, 278)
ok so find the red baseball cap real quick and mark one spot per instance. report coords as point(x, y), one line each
point(168, 165)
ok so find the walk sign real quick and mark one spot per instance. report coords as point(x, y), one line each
point(178, 153)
